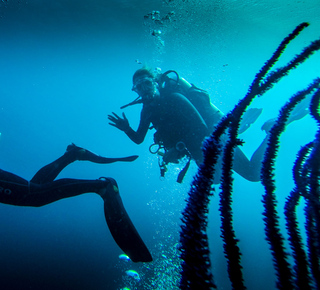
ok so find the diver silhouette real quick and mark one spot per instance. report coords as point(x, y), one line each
point(43, 189)
point(183, 116)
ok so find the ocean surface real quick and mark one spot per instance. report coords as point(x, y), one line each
point(66, 65)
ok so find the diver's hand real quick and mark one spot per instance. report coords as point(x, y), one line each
point(118, 122)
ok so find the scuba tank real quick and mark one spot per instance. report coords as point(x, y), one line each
point(175, 84)
point(171, 82)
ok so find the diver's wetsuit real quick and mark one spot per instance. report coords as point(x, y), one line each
point(42, 189)
point(15, 190)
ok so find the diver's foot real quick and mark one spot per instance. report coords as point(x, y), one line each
point(81, 153)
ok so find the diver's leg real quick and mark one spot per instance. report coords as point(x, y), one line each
point(42, 194)
point(119, 223)
point(250, 169)
point(49, 172)
point(18, 191)
point(12, 188)
point(73, 153)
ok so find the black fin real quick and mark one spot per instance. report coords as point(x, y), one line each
point(121, 226)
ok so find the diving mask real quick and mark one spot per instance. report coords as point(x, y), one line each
point(144, 85)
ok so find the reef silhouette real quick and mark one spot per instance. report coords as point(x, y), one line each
point(194, 247)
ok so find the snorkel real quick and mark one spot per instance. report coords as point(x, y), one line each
point(167, 80)
point(138, 100)
point(145, 85)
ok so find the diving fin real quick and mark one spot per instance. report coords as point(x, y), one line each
point(116, 159)
point(249, 117)
point(126, 159)
point(86, 155)
point(121, 226)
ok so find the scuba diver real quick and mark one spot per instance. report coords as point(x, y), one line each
point(183, 116)
point(43, 189)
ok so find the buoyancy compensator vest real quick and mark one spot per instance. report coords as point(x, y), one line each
point(170, 82)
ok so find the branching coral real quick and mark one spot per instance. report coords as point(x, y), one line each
point(196, 264)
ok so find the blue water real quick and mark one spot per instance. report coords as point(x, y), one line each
point(65, 65)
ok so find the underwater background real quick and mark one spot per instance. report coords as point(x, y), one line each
point(65, 65)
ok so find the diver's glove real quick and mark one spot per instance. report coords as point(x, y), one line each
point(118, 122)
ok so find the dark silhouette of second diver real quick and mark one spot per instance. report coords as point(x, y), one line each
point(43, 189)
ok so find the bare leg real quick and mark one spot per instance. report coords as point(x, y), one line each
point(250, 169)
